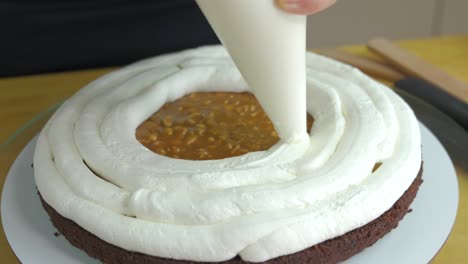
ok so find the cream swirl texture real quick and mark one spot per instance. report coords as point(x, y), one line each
point(91, 169)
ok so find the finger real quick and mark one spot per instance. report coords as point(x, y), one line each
point(304, 7)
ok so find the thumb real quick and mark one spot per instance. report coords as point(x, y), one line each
point(304, 7)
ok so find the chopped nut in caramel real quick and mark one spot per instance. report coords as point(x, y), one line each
point(213, 125)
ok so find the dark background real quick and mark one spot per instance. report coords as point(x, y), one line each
point(47, 35)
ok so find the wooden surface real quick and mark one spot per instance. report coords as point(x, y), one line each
point(415, 66)
point(369, 66)
point(23, 98)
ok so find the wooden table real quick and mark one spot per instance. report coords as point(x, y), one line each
point(23, 98)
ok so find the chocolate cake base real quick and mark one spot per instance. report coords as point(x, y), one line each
point(330, 251)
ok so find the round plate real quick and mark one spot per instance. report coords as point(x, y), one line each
point(417, 238)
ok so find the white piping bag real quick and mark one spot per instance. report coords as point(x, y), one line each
point(268, 46)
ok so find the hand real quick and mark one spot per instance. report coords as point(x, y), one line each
point(304, 7)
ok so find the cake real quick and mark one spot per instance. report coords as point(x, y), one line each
point(121, 179)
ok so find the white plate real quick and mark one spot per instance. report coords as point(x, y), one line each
point(417, 239)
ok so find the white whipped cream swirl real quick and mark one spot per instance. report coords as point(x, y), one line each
point(260, 205)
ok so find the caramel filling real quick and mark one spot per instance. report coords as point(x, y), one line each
point(203, 126)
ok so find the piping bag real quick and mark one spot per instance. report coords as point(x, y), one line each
point(268, 47)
